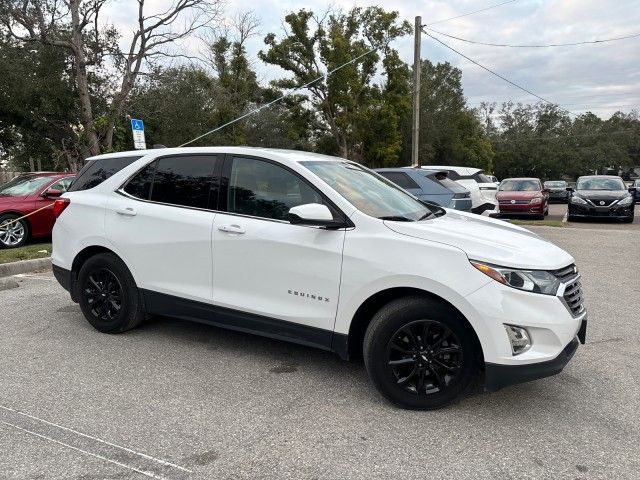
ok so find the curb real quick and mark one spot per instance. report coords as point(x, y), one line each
point(24, 266)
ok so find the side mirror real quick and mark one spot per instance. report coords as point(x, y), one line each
point(569, 189)
point(633, 189)
point(545, 190)
point(313, 214)
point(52, 193)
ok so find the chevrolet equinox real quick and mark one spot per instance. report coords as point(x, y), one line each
point(324, 252)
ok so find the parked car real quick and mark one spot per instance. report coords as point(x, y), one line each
point(523, 196)
point(24, 195)
point(636, 192)
point(601, 196)
point(321, 251)
point(482, 188)
point(557, 190)
point(494, 179)
point(430, 185)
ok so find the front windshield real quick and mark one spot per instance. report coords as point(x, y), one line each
point(519, 186)
point(557, 184)
point(600, 183)
point(23, 185)
point(369, 192)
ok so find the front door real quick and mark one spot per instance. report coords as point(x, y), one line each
point(264, 265)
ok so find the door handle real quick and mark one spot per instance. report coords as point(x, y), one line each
point(128, 212)
point(231, 229)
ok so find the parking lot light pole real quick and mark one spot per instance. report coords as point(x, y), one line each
point(415, 127)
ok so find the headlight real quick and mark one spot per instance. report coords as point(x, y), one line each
point(578, 200)
point(536, 281)
point(536, 200)
point(626, 201)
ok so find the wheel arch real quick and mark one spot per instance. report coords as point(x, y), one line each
point(351, 347)
point(81, 257)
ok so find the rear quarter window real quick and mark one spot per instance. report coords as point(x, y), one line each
point(97, 171)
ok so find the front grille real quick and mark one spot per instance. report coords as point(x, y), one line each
point(517, 202)
point(573, 297)
point(566, 273)
point(601, 203)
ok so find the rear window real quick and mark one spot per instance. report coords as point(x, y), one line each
point(97, 171)
point(400, 178)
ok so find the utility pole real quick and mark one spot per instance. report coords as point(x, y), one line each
point(415, 127)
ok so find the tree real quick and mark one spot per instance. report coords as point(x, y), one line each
point(347, 99)
point(73, 25)
point(38, 107)
point(450, 133)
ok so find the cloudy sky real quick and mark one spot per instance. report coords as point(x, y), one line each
point(601, 78)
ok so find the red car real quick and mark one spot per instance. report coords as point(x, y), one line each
point(523, 196)
point(23, 195)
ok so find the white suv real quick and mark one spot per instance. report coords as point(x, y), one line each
point(482, 187)
point(320, 251)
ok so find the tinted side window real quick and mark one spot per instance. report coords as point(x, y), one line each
point(140, 185)
point(97, 171)
point(401, 179)
point(262, 189)
point(184, 180)
point(454, 175)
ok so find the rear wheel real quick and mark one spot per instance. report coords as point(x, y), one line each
point(13, 232)
point(108, 296)
point(419, 353)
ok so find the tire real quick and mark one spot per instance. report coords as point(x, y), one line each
point(13, 234)
point(108, 295)
point(628, 220)
point(425, 385)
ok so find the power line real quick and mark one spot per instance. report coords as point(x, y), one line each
point(498, 75)
point(586, 42)
point(470, 13)
point(306, 85)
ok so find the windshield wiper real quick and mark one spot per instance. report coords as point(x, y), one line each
point(396, 218)
point(427, 215)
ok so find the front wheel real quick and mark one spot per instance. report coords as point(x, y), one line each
point(108, 296)
point(419, 353)
point(14, 231)
point(628, 220)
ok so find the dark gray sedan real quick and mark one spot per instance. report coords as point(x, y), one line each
point(557, 190)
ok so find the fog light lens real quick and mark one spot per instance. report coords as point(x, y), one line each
point(519, 339)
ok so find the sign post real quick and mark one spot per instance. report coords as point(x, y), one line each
point(137, 126)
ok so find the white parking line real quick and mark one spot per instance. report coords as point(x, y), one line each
point(115, 462)
point(140, 454)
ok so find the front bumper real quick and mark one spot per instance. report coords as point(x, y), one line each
point(559, 196)
point(521, 209)
point(589, 211)
point(500, 376)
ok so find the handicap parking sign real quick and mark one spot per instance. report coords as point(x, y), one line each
point(137, 126)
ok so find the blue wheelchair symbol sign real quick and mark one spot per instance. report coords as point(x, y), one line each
point(137, 124)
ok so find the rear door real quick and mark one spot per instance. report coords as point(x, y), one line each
point(160, 222)
point(266, 266)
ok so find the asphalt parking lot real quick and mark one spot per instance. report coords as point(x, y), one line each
point(177, 400)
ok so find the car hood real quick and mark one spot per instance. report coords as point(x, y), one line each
point(489, 240)
point(602, 194)
point(517, 195)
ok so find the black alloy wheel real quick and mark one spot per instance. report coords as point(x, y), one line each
point(108, 295)
point(420, 353)
point(103, 294)
point(424, 357)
